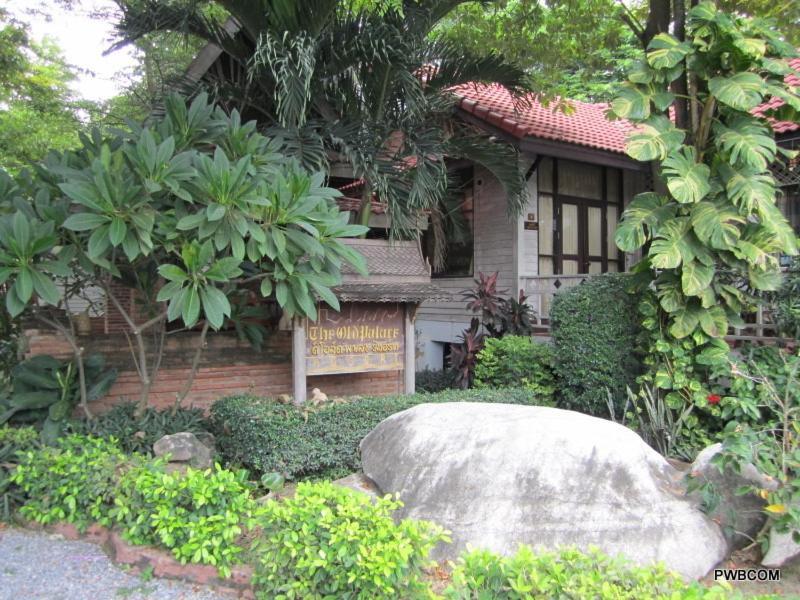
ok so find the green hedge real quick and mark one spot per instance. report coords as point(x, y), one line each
point(265, 436)
point(595, 330)
point(517, 360)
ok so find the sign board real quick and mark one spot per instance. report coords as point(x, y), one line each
point(362, 337)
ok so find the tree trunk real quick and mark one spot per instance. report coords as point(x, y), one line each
point(657, 21)
point(193, 373)
point(680, 86)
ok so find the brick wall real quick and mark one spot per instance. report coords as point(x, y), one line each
point(228, 366)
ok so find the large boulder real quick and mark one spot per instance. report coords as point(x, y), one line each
point(185, 448)
point(498, 475)
point(741, 516)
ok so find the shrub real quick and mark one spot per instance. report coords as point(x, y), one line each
point(198, 515)
point(266, 436)
point(570, 575)
point(333, 542)
point(595, 332)
point(433, 381)
point(786, 302)
point(73, 481)
point(13, 440)
point(45, 389)
point(138, 434)
point(515, 360)
point(761, 415)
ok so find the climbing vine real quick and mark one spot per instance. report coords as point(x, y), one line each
point(711, 232)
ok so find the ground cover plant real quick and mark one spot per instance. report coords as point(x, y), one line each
point(72, 481)
point(45, 389)
point(199, 515)
point(266, 436)
point(137, 432)
point(13, 441)
point(568, 574)
point(330, 541)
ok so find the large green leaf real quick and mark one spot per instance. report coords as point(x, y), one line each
point(713, 321)
point(653, 139)
point(671, 246)
point(747, 141)
point(84, 221)
point(684, 322)
point(687, 180)
point(632, 102)
point(716, 225)
point(646, 209)
point(742, 91)
point(747, 187)
point(215, 306)
point(696, 277)
point(775, 221)
point(765, 278)
point(45, 288)
point(666, 51)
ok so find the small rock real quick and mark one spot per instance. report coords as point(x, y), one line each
point(318, 397)
point(284, 399)
point(360, 483)
point(782, 549)
point(207, 439)
point(184, 447)
point(740, 516)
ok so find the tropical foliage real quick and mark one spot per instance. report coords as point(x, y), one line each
point(38, 111)
point(199, 200)
point(572, 49)
point(711, 233)
point(46, 389)
point(343, 82)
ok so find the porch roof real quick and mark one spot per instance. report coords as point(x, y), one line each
point(586, 125)
point(397, 272)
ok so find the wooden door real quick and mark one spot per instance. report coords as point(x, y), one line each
point(581, 237)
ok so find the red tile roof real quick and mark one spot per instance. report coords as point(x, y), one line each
point(587, 125)
point(794, 80)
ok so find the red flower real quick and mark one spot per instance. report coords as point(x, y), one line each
point(713, 399)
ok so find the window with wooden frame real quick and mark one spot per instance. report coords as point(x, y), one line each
point(579, 205)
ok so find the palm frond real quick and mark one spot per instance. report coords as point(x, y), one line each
point(500, 159)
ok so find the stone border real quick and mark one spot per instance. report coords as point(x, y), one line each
point(163, 564)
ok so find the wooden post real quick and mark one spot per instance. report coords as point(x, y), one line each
point(409, 363)
point(299, 360)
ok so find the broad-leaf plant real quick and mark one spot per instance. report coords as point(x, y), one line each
point(189, 211)
point(710, 234)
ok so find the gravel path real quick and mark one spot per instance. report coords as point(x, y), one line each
point(35, 565)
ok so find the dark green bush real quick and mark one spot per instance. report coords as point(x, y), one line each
point(432, 381)
point(517, 360)
point(265, 436)
point(595, 330)
point(138, 434)
point(786, 302)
